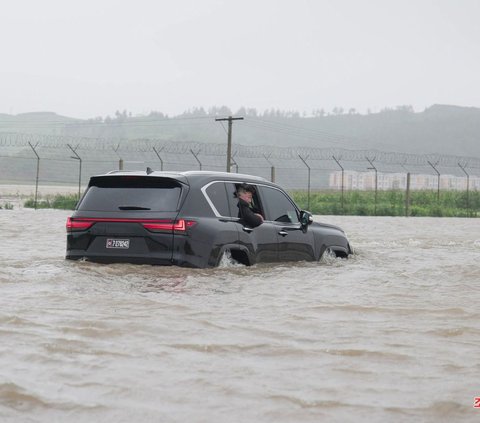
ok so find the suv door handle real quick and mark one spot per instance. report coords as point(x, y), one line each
point(283, 233)
point(247, 229)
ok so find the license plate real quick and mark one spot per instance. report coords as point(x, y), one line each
point(118, 243)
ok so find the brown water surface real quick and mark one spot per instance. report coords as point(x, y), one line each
point(392, 334)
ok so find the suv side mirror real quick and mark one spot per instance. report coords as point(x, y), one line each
point(306, 218)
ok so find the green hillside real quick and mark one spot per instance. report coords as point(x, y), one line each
point(439, 129)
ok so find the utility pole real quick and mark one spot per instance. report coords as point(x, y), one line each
point(229, 143)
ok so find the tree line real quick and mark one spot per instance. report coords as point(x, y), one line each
point(196, 112)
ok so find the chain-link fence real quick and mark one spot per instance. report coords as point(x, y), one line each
point(60, 160)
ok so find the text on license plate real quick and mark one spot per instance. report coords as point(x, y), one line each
point(118, 243)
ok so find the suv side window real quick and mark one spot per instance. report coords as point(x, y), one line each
point(218, 196)
point(233, 200)
point(278, 205)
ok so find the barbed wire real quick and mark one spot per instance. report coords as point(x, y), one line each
point(57, 145)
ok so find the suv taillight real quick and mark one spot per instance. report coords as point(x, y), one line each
point(178, 226)
point(153, 225)
point(78, 225)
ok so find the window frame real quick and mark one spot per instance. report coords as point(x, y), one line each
point(259, 196)
point(210, 201)
point(212, 205)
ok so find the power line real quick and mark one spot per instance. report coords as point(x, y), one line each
point(310, 133)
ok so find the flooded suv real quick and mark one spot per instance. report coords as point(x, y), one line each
point(192, 219)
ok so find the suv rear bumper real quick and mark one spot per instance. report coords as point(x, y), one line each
point(99, 258)
point(178, 259)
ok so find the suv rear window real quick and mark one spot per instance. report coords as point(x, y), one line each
point(114, 193)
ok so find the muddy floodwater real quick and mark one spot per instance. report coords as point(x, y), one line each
point(390, 335)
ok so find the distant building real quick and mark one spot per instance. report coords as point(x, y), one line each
point(363, 181)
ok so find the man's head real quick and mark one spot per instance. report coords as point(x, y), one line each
point(245, 192)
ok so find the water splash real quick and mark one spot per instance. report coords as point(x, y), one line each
point(227, 261)
point(328, 257)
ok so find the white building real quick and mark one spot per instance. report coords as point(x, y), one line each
point(354, 180)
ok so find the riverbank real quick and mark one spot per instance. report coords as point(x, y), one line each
point(16, 195)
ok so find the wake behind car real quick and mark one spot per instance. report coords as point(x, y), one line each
point(192, 219)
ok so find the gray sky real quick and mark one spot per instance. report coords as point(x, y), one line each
point(92, 57)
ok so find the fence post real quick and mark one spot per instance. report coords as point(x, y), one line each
point(438, 179)
point(196, 157)
point(468, 183)
point(120, 160)
point(407, 196)
point(343, 172)
point(77, 157)
point(376, 181)
point(234, 162)
point(272, 168)
point(38, 171)
point(158, 155)
point(304, 160)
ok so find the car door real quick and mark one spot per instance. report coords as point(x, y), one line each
point(261, 241)
point(295, 242)
point(226, 230)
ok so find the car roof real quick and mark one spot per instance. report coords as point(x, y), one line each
point(187, 176)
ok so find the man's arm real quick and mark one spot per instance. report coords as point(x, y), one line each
point(251, 219)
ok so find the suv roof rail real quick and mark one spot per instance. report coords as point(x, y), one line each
point(189, 173)
point(223, 174)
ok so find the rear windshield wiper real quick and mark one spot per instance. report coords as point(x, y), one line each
point(133, 208)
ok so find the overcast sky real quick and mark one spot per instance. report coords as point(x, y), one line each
point(90, 58)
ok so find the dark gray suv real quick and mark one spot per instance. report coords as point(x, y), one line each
point(192, 219)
